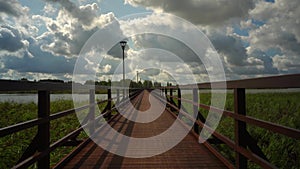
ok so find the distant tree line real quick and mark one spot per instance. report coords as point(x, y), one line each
point(128, 82)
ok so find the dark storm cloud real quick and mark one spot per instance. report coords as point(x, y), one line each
point(41, 62)
point(10, 39)
point(231, 47)
point(10, 7)
point(200, 11)
point(148, 41)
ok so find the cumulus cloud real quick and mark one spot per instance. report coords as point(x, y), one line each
point(37, 61)
point(11, 39)
point(84, 14)
point(11, 7)
point(72, 27)
point(88, 15)
point(49, 9)
point(279, 32)
point(271, 28)
point(199, 11)
point(286, 64)
point(231, 47)
point(170, 44)
point(269, 43)
point(16, 75)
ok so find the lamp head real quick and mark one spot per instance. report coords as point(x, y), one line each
point(123, 44)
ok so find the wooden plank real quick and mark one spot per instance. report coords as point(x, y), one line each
point(187, 154)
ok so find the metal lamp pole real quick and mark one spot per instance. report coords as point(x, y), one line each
point(123, 45)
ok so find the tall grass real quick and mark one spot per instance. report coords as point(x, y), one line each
point(279, 108)
point(13, 146)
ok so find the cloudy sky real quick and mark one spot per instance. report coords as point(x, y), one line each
point(42, 39)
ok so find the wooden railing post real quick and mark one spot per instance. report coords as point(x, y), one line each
point(179, 102)
point(171, 99)
point(109, 103)
point(195, 109)
point(43, 141)
point(166, 93)
point(240, 127)
point(179, 98)
point(118, 96)
point(129, 92)
point(92, 112)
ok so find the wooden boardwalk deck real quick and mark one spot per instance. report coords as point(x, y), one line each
point(187, 154)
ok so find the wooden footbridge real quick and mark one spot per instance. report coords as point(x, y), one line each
point(189, 153)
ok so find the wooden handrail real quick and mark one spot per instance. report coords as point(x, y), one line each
point(239, 115)
point(16, 85)
point(287, 131)
point(272, 82)
point(285, 81)
point(42, 157)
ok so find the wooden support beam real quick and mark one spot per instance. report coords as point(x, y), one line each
point(30, 150)
point(252, 144)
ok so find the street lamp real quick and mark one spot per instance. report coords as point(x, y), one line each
point(123, 45)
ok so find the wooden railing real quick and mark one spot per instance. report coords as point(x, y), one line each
point(241, 135)
point(39, 149)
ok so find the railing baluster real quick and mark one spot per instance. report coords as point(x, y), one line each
point(240, 127)
point(166, 93)
point(195, 109)
point(118, 96)
point(179, 98)
point(43, 142)
point(179, 102)
point(109, 103)
point(92, 112)
point(171, 100)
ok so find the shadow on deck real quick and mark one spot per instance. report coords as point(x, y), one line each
point(187, 154)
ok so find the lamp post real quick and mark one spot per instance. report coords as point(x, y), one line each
point(123, 45)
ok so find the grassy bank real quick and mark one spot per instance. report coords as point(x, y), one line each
point(279, 108)
point(13, 146)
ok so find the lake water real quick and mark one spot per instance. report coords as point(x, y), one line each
point(26, 98)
